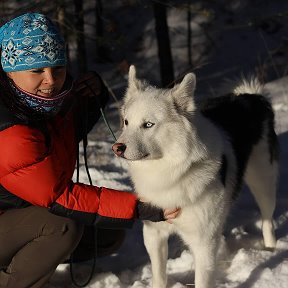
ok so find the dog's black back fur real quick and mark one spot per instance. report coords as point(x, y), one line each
point(243, 118)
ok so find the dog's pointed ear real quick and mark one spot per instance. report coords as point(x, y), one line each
point(131, 75)
point(188, 82)
point(135, 85)
point(183, 93)
point(133, 82)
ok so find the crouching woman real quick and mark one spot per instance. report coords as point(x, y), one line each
point(42, 119)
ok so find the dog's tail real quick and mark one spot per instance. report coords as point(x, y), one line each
point(250, 85)
point(240, 85)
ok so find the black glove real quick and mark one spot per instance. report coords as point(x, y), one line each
point(146, 211)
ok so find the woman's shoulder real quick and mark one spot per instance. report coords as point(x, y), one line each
point(21, 145)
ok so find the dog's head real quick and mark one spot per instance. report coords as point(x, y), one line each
point(155, 121)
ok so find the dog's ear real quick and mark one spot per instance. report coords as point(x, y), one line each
point(189, 82)
point(133, 82)
point(135, 85)
point(131, 75)
point(183, 93)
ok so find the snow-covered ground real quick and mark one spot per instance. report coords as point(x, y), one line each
point(243, 264)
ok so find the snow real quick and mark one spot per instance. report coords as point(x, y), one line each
point(243, 261)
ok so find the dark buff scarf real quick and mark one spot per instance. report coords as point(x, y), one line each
point(46, 106)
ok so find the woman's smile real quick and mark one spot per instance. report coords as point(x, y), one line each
point(45, 92)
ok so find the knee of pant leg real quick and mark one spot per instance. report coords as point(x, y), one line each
point(63, 228)
point(73, 232)
point(72, 236)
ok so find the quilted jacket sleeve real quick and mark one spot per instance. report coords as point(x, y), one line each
point(30, 171)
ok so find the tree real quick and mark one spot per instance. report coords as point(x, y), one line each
point(80, 36)
point(101, 51)
point(189, 38)
point(163, 40)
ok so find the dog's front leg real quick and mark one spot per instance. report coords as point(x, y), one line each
point(156, 243)
point(205, 264)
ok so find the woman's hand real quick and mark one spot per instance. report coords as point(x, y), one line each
point(170, 214)
point(146, 211)
point(88, 85)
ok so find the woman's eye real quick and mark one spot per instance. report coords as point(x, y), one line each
point(148, 124)
point(37, 71)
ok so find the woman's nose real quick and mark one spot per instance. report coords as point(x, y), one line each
point(49, 78)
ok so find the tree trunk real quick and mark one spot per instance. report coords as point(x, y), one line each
point(100, 49)
point(61, 20)
point(163, 40)
point(189, 38)
point(80, 37)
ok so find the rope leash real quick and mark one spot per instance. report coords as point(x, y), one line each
point(107, 124)
point(85, 144)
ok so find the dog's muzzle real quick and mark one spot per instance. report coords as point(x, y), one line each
point(119, 149)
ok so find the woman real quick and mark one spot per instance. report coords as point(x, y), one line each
point(43, 116)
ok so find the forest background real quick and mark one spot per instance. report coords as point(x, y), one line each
point(214, 38)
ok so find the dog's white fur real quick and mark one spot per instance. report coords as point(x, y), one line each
point(174, 157)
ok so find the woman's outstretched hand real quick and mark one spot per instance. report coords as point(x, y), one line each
point(170, 214)
point(146, 211)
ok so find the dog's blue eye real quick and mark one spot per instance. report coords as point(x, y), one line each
point(148, 124)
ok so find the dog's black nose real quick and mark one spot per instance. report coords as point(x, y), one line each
point(119, 149)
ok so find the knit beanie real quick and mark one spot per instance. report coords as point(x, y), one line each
point(31, 41)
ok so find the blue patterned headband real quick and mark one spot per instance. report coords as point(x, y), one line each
point(31, 41)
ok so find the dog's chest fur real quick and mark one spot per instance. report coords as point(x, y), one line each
point(167, 189)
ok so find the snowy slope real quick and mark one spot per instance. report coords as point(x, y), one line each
point(243, 262)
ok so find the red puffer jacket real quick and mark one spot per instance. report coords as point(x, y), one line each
point(40, 173)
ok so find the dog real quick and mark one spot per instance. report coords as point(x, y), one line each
point(196, 157)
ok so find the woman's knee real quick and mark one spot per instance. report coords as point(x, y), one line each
point(64, 229)
point(59, 232)
point(73, 233)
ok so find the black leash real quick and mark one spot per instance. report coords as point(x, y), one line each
point(94, 236)
point(85, 143)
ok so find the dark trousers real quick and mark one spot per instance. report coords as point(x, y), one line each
point(32, 244)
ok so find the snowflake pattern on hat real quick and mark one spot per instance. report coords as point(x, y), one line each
point(31, 41)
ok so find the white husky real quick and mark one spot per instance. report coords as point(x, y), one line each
point(196, 157)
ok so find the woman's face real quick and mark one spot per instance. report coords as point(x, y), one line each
point(45, 82)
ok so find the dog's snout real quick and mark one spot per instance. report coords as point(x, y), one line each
point(119, 149)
